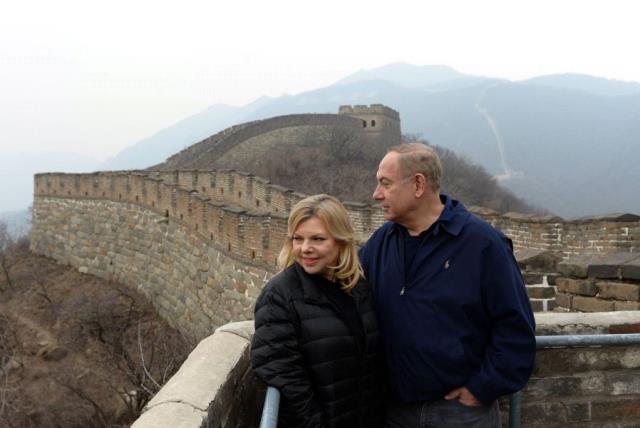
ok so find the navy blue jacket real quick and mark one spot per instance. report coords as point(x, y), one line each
point(459, 317)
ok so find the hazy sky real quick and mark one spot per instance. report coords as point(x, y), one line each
point(94, 77)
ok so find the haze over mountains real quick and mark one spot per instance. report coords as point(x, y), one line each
point(16, 181)
point(569, 143)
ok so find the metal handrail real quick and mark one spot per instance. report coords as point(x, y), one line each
point(569, 341)
point(272, 399)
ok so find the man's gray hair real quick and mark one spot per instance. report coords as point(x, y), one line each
point(417, 158)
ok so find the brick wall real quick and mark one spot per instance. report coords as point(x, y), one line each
point(126, 223)
point(584, 387)
point(599, 282)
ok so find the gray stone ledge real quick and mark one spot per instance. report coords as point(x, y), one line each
point(621, 265)
point(174, 415)
point(185, 400)
point(559, 323)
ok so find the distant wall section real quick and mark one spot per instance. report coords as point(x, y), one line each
point(378, 121)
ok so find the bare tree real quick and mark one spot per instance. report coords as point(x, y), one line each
point(9, 360)
point(6, 242)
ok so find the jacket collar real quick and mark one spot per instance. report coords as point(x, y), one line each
point(312, 293)
point(451, 220)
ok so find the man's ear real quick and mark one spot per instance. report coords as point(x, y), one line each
point(420, 183)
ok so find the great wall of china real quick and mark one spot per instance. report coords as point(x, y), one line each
point(201, 244)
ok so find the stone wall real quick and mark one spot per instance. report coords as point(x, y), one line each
point(585, 387)
point(183, 192)
point(225, 140)
point(214, 387)
point(598, 234)
point(194, 285)
point(599, 283)
point(202, 262)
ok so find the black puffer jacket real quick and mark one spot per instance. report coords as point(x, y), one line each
point(304, 347)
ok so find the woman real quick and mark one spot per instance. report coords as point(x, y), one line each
point(316, 337)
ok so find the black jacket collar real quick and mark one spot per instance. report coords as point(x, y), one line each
point(311, 292)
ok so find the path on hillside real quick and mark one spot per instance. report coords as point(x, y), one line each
point(42, 334)
point(507, 171)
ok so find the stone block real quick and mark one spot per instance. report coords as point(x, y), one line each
point(551, 304)
point(532, 278)
point(618, 290)
point(591, 304)
point(582, 384)
point(556, 412)
point(626, 306)
point(564, 300)
point(575, 266)
point(615, 409)
point(609, 265)
point(625, 328)
point(536, 305)
point(631, 269)
point(551, 278)
point(540, 292)
point(175, 415)
point(560, 361)
point(583, 287)
point(625, 382)
point(537, 260)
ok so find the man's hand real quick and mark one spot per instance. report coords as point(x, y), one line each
point(464, 396)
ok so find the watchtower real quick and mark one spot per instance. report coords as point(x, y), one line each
point(376, 118)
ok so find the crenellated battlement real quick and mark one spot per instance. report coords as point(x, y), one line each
point(200, 244)
point(203, 200)
point(371, 109)
point(375, 118)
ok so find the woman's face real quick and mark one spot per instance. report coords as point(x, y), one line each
point(314, 248)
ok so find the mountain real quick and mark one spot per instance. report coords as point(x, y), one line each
point(566, 142)
point(585, 83)
point(406, 75)
point(17, 170)
point(180, 135)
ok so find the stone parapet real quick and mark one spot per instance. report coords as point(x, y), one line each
point(214, 387)
point(590, 386)
point(586, 387)
point(225, 140)
point(181, 193)
point(600, 282)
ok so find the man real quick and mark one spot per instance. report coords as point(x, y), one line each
point(455, 319)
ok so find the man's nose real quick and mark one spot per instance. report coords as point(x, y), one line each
point(377, 194)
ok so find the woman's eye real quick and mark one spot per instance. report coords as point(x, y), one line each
point(319, 238)
point(297, 239)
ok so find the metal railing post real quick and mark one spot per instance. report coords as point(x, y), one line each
point(272, 399)
point(514, 409)
point(270, 409)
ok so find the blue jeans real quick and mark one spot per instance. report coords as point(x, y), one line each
point(441, 414)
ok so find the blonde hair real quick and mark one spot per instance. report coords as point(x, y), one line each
point(335, 218)
point(416, 158)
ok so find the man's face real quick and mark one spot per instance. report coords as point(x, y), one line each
point(395, 191)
